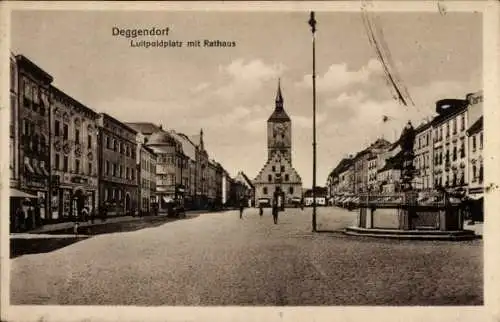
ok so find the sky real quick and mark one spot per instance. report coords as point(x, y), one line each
point(230, 92)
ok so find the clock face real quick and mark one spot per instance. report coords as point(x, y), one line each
point(279, 130)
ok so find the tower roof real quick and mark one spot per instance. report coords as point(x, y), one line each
point(279, 114)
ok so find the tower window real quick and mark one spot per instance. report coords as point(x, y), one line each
point(270, 178)
point(264, 190)
point(274, 168)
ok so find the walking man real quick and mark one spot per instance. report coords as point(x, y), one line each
point(261, 211)
point(242, 206)
point(275, 213)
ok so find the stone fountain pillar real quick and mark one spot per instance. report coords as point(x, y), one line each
point(406, 143)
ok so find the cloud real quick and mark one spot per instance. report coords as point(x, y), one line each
point(338, 77)
point(201, 87)
point(246, 78)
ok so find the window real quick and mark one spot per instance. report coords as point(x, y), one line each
point(474, 170)
point(270, 178)
point(133, 174)
point(57, 125)
point(264, 190)
point(462, 148)
point(282, 169)
point(462, 122)
point(108, 143)
point(77, 136)
point(291, 190)
point(454, 153)
point(65, 131)
point(287, 177)
point(274, 168)
point(90, 168)
point(481, 173)
point(65, 163)
point(447, 129)
point(127, 172)
point(77, 166)
point(473, 143)
point(115, 145)
point(481, 140)
point(89, 142)
point(120, 168)
point(114, 169)
point(57, 162)
point(454, 126)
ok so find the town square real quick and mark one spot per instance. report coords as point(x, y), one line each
point(287, 165)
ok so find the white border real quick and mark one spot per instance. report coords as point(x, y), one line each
point(491, 71)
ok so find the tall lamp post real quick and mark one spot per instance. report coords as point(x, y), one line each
point(312, 23)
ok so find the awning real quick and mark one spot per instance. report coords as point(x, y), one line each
point(14, 193)
point(475, 196)
point(42, 167)
point(168, 199)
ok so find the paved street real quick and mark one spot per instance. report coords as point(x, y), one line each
point(218, 259)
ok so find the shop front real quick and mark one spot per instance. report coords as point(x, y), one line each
point(70, 195)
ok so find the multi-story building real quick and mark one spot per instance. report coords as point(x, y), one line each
point(201, 182)
point(227, 182)
point(117, 166)
point(372, 172)
point(31, 165)
point(278, 176)
point(168, 151)
point(74, 154)
point(449, 143)
point(245, 189)
point(341, 178)
point(146, 170)
point(187, 171)
point(14, 128)
point(423, 157)
point(361, 164)
point(475, 145)
point(389, 172)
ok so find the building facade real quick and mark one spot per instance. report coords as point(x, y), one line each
point(74, 154)
point(13, 128)
point(278, 174)
point(118, 189)
point(146, 169)
point(475, 146)
point(423, 158)
point(450, 144)
point(168, 151)
point(31, 165)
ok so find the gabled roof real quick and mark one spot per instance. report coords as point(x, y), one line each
point(476, 126)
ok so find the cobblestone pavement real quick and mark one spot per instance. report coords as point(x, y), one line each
point(219, 259)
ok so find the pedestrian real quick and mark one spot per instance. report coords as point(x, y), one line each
point(19, 219)
point(75, 228)
point(242, 206)
point(85, 214)
point(275, 213)
point(261, 211)
point(30, 219)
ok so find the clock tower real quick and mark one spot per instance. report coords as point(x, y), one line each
point(278, 182)
point(279, 130)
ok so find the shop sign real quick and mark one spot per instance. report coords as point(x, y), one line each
point(36, 182)
point(79, 180)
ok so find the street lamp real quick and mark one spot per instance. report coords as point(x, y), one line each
point(312, 23)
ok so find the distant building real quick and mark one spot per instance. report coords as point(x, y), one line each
point(244, 188)
point(278, 174)
point(321, 194)
point(169, 157)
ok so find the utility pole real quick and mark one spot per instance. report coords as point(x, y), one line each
point(312, 23)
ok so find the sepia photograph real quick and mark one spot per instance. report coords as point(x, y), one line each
point(238, 158)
